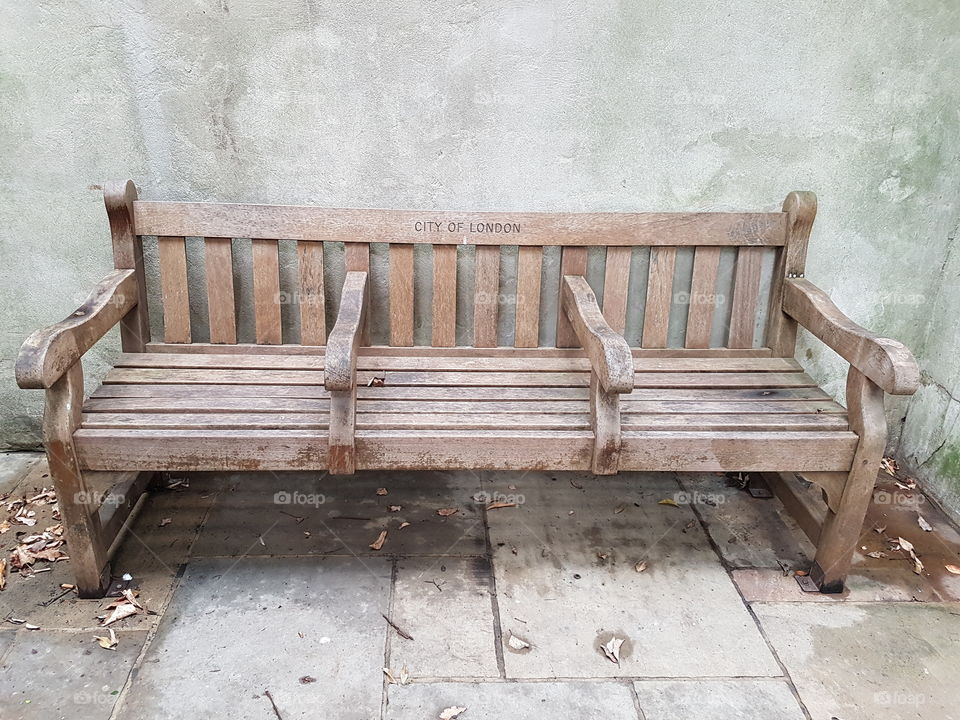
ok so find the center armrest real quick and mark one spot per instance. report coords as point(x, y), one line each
point(340, 365)
point(610, 356)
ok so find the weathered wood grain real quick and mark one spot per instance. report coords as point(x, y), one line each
point(220, 303)
point(172, 252)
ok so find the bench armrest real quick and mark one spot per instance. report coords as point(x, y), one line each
point(340, 365)
point(886, 362)
point(610, 356)
point(47, 354)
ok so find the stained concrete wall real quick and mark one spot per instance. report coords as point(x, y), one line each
point(504, 105)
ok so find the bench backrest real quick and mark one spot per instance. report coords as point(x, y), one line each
point(267, 274)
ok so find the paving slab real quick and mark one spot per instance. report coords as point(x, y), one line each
point(308, 630)
point(53, 674)
point(522, 701)
point(861, 661)
point(446, 605)
point(13, 466)
point(717, 700)
point(566, 583)
point(317, 514)
point(748, 531)
point(891, 584)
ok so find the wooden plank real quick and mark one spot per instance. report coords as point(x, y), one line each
point(401, 294)
point(529, 271)
point(573, 261)
point(118, 198)
point(459, 228)
point(656, 314)
point(215, 377)
point(200, 450)
point(172, 252)
point(464, 352)
point(535, 364)
point(746, 292)
point(727, 451)
point(703, 297)
point(266, 292)
point(356, 257)
point(444, 307)
point(220, 302)
point(341, 373)
point(800, 209)
point(766, 422)
point(616, 282)
point(313, 322)
point(486, 295)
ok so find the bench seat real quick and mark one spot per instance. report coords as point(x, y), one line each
point(205, 411)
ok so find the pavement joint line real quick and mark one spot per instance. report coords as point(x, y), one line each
point(635, 696)
point(494, 600)
point(474, 680)
point(726, 567)
point(388, 638)
point(321, 555)
point(153, 630)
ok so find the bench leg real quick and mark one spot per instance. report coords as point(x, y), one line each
point(341, 448)
point(81, 521)
point(842, 529)
point(605, 418)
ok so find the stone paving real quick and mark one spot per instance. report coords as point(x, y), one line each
point(268, 584)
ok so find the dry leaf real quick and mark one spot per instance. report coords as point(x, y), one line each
point(640, 566)
point(4, 526)
point(517, 643)
point(165, 521)
point(889, 465)
point(498, 505)
point(619, 509)
point(924, 525)
point(905, 544)
point(378, 543)
point(381, 491)
point(375, 382)
point(953, 569)
point(131, 598)
point(876, 554)
point(121, 611)
point(395, 508)
point(880, 530)
point(612, 649)
point(3, 573)
point(107, 643)
point(447, 512)
point(917, 565)
point(404, 675)
point(452, 712)
point(403, 525)
point(390, 678)
point(31, 626)
point(668, 501)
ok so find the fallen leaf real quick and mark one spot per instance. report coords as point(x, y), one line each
point(447, 512)
point(107, 642)
point(3, 573)
point(4, 526)
point(917, 565)
point(121, 611)
point(498, 505)
point(640, 566)
point(30, 626)
point(395, 508)
point(131, 598)
point(612, 649)
point(517, 643)
point(876, 554)
point(378, 543)
point(668, 501)
point(381, 491)
point(619, 509)
point(404, 675)
point(165, 521)
point(403, 525)
point(452, 712)
point(905, 544)
point(889, 465)
point(953, 569)
point(390, 678)
point(307, 679)
point(924, 525)
point(880, 530)
point(375, 382)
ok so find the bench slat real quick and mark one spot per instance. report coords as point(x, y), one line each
point(746, 292)
point(313, 323)
point(266, 292)
point(616, 281)
point(486, 295)
point(529, 271)
point(656, 313)
point(401, 294)
point(573, 261)
point(702, 300)
point(444, 305)
point(172, 253)
point(220, 304)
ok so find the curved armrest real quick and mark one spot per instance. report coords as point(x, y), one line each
point(340, 365)
point(50, 352)
point(886, 362)
point(610, 356)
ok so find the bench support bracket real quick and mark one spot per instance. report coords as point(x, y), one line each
point(605, 418)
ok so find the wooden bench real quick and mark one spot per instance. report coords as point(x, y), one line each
point(593, 342)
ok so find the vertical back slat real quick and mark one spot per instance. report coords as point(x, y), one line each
point(444, 309)
point(401, 295)
point(220, 304)
point(703, 293)
point(172, 252)
point(486, 291)
point(746, 291)
point(573, 261)
point(266, 292)
point(356, 257)
point(529, 270)
point(313, 328)
point(656, 316)
point(616, 282)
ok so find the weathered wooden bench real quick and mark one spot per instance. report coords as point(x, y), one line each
point(503, 357)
